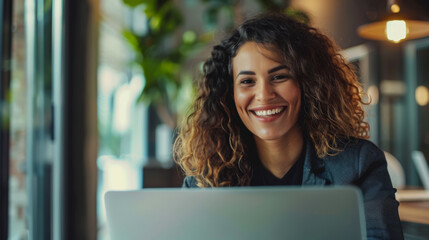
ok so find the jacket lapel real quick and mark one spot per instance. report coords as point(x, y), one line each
point(314, 172)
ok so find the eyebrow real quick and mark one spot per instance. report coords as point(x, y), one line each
point(278, 68)
point(275, 69)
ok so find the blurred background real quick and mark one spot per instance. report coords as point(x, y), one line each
point(92, 92)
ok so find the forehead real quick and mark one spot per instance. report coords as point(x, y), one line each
point(252, 54)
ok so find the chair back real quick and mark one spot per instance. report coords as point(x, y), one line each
point(395, 170)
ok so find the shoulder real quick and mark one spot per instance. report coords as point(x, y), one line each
point(357, 145)
point(189, 182)
point(358, 149)
point(364, 165)
point(356, 157)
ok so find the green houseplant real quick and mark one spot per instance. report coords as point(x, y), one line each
point(161, 53)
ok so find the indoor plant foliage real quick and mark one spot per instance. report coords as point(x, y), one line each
point(164, 48)
point(161, 52)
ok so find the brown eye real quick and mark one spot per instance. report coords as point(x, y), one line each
point(246, 81)
point(281, 77)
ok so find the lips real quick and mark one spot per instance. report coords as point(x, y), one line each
point(268, 112)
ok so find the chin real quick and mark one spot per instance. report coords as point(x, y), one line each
point(277, 134)
point(269, 137)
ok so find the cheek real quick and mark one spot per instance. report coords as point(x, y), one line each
point(297, 101)
point(240, 99)
point(296, 97)
point(292, 94)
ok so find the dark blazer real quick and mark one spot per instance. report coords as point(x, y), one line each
point(362, 164)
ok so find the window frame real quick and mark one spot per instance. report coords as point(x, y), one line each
point(5, 74)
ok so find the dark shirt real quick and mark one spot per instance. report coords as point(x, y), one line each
point(263, 177)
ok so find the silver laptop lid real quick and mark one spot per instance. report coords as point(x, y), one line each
point(237, 213)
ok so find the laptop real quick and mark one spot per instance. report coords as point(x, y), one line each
point(236, 213)
point(421, 165)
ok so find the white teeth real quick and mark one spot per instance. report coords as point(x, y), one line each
point(269, 112)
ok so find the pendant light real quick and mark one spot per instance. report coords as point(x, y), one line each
point(395, 27)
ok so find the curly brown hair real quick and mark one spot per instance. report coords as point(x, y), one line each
point(216, 148)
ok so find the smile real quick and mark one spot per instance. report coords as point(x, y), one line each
point(270, 112)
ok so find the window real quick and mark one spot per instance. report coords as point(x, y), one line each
point(34, 176)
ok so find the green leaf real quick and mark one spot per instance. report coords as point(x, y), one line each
point(297, 14)
point(132, 39)
point(189, 37)
point(171, 17)
point(155, 22)
point(133, 3)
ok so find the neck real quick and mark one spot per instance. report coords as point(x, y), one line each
point(279, 155)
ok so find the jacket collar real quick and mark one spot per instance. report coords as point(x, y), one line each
point(314, 172)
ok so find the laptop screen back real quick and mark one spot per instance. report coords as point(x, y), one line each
point(236, 213)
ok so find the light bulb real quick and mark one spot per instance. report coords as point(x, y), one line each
point(396, 30)
point(395, 8)
point(422, 95)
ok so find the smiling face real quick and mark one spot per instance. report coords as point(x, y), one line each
point(267, 98)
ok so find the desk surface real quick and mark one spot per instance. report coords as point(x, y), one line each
point(417, 212)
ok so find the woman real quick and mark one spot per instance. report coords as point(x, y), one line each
point(279, 106)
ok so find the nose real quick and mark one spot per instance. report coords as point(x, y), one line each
point(264, 91)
